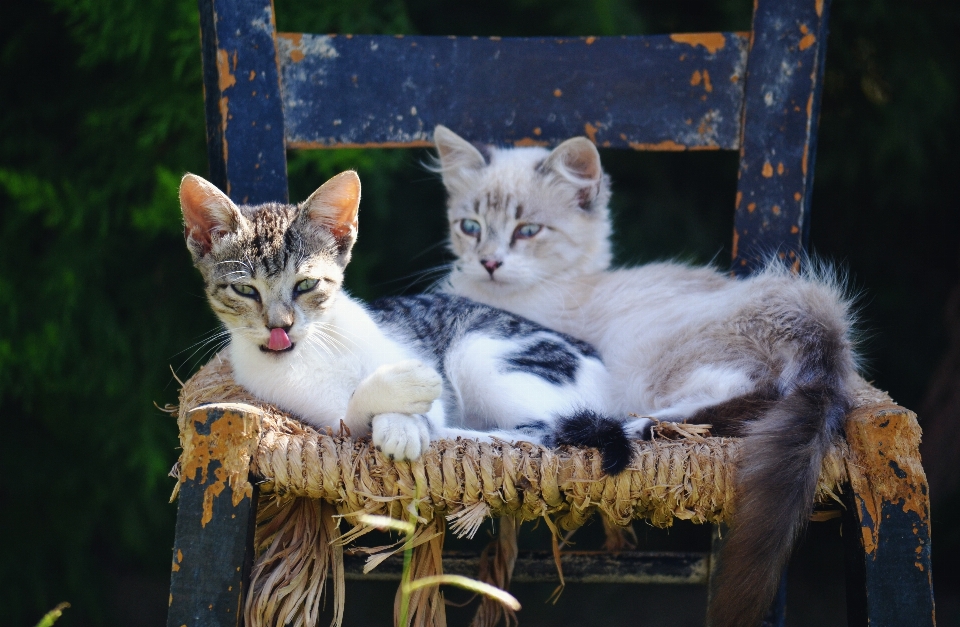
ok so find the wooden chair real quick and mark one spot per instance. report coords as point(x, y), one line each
point(756, 92)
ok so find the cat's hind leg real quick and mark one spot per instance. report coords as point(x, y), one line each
point(540, 389)
point(704, 387)
point(502, 384)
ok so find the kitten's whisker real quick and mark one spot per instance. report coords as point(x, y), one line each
point(332, 341)
point(208, 338)
point(313, 340)
point(418, 276)
point(340, 332)
point(202, 346)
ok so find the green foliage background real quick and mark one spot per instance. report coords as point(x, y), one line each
point(101, 113)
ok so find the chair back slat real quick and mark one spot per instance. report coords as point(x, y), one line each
point(649, 93)
point(781, 113)
point(664, 92)
point(245, 143)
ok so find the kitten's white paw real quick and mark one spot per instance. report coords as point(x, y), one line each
point(406, 387)
point(400, 437)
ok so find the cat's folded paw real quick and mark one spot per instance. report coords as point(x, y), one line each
point(400, 437)
point(408, 387)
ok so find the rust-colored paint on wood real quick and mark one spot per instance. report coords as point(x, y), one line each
point(589, 130)
point(886, 465)
point(296, 54)
point(419, 143)
point(699, 77)
point(229, 440)
point(668, 145)
point(888, 517)
point(711, 41)
point(227, 78)
point(528, 141)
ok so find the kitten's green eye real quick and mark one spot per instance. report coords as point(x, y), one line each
point(470, 227)
point(246, 290)
point(305, 286)
point(526, 231)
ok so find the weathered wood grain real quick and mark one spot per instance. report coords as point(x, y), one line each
point(784, 82)
point(887, 522)
point(244, 112)
point(661, 92)
point(216, 511)
point(638, 567)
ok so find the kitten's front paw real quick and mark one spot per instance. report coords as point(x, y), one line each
point(407, 387)
point(400, 437)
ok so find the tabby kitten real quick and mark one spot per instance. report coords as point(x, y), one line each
point(769, 357)
point(406, 369)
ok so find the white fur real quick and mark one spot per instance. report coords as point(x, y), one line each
point(364, 378)
point(675, 338)
point(341, 367)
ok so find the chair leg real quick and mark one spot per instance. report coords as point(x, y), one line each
point(886, 526)
point(216, 516)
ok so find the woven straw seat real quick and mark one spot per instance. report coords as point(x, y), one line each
point(308, 480)
point(690, 478)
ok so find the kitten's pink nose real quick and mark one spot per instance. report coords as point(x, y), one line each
point(279, 340)
point(491, 265)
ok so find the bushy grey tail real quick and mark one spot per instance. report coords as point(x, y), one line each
point(590, 429)
point(777, 476)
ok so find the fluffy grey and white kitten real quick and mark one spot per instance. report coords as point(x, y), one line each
point(408, 369)
point(769, 358)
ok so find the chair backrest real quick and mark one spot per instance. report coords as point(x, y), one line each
point(756, 92)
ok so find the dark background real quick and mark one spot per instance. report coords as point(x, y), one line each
point(101, 113)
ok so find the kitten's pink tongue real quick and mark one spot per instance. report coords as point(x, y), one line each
point(278, 340)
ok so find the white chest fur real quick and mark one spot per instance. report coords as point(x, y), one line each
point(316, 379)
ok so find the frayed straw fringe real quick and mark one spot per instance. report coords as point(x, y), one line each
point(309, 475)
point(496, 568)
point(296, 550)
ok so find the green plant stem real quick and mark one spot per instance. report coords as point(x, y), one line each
point(51, 617)
point(405, 590)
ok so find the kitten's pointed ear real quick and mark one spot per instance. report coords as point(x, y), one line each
point(577, 163)
point(208, 213)
point(334, 207)
point(457, 156)
point(577, 160)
